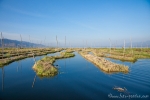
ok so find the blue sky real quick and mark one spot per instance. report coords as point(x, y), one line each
point(94, 21)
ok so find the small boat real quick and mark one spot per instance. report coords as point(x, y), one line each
point(120, 89)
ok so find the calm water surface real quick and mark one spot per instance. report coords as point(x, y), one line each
point(78, 79)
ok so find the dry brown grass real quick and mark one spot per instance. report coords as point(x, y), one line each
point(104, 64)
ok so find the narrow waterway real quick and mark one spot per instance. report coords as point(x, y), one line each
point(78, 79)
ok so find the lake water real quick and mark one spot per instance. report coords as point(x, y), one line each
point(78, 79)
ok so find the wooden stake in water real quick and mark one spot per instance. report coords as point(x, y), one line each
point(116, 44)
point(65, 41)
point(131, 46)
point(86, 44)
point(57, 41)
point(21, 41)
point(29, 41)
point(44, 40)
point(110, 45)
point(17, 50)
point(83, 44)
point(124, 49)
point(2, 44)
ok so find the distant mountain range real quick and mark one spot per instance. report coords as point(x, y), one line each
point(15, 43)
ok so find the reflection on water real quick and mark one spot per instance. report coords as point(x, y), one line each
point(19, 66)
point(77, 79)
point(2, 79)
point(34, 81)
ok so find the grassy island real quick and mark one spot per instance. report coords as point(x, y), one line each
point(44, 67)
point(104, 64)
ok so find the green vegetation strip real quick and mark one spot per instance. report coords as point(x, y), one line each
point(129, 54)
point(11, 55)
point(104, 64)
point(44, 67)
